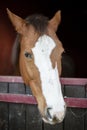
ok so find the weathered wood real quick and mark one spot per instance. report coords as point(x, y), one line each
point(4, 109)
point(28, 90)
point(65, 81)
point(85, 116)
point(74, 81)
point(76, 102)
point(30, 99)
point(11, 79)
point(33, 118)
point(16, 111)
point(17, 98)
point(24, 117)
point(73, 119)
point(53, 127)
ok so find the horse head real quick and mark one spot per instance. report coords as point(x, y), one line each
point(40, 62)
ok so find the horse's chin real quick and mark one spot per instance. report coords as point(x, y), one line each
point(51, 122)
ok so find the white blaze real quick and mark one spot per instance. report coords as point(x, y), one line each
point(51, 86)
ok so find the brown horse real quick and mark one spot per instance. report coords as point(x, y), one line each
point(40, 62)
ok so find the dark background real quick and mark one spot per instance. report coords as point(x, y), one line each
point(72, 30)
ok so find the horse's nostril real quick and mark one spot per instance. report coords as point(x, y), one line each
point(48, 113)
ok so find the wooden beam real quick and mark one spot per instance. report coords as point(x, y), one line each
point(29, 99)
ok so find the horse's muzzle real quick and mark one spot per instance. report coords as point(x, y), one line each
point(57, 117)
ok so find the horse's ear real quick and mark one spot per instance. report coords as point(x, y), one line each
point(18, 22)
point(55, 21)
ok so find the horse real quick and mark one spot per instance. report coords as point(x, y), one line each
point(39, 52)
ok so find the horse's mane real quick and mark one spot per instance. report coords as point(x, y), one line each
point(39, 22)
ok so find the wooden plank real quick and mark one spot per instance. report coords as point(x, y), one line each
point(65, 81)
point(17, 98)
point(28, 91)
point(16, 111)
point(85, 116)
point(29, 99)
point(4, 109)
point(74, 81)
point(53, 127)
point(74, 119)
point(76, 102)
point(33, 118)
point(11, 79)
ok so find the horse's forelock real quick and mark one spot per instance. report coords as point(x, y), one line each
point(39, 22)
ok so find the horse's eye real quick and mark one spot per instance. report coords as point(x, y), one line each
point(28, 55)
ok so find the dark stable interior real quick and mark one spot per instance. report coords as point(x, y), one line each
point(72, 31)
